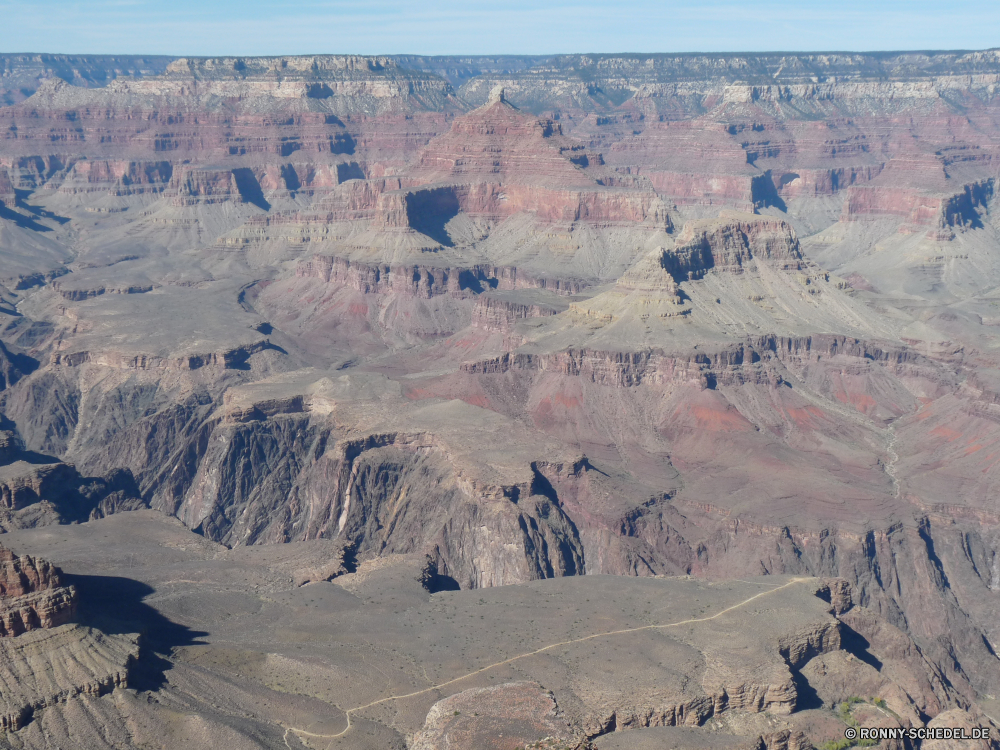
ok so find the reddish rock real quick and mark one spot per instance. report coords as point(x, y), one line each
point(804, 183)
point(692, 163)
point(493, 314)
point(497, 161)
point(117, 177)
point(32, 595)
point(925, 190)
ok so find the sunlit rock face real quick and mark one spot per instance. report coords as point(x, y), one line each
point(32, 595)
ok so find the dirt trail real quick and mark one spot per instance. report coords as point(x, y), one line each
point(543, 649)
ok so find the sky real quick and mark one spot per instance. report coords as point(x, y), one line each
point(456, 27)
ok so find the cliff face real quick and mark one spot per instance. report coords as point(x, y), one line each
point(680, 83)
point(386, 493)
point(21, 75)
point(499, 162)
point(730, 243)
point(32, 595)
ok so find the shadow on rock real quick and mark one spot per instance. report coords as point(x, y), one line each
point(115, 605)
point(429, 211)
point(857, 645)
point(806, 695)
point(25, 222)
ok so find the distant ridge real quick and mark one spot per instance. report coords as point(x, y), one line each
point(21, 73)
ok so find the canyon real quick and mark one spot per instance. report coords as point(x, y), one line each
point(582, 401)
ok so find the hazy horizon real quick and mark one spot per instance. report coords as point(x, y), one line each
point(451, 27)
point(622, 53)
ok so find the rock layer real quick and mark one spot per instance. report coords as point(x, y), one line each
point(32, 595)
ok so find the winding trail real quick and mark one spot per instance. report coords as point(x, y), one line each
point(543, 649)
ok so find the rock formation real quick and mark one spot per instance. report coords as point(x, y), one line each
point(486, 322)
point(32, 595)
point(522, 714)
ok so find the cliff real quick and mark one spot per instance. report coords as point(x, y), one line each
point(32, 595)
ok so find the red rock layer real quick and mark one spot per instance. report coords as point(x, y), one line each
point(119, 177)
point(917, 207)
point(32, 595)
point(692, 163)
point(498, 142)
point(492, 314)
point(496, 162)
point(816, 182)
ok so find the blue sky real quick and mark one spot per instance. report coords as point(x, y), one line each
point(448, 27)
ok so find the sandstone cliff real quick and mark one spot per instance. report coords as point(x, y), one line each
point(32, 595)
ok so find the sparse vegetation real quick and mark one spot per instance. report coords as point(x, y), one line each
point(844, 711)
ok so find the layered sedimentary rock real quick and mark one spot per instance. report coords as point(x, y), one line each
point(22, 74)
point(731, 242)
point(919, 189)
point(46, 668)
point(705, 316)
point(694, 163)
point(497, 162)
point(32, 595)
point(681, 84)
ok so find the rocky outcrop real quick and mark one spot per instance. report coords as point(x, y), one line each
point(802, 84)
point(521, 712)
point(318, 78)
point(37, 494)
point(23, 484)
point(21, 74)
point(805, 183)
point(731, 242)
point(14, 365)
point(47, 667)
point(917, 207)
point(752, 362)
point(944, 191)
point(32, 595)
point(7, 195)
point(117, 177)
point(227, 359)
point(77, 294)
point(500, 315)
point(428, 281)
point(206, 186)
point(41, 609)
point(496, 162)
point(384, 493)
